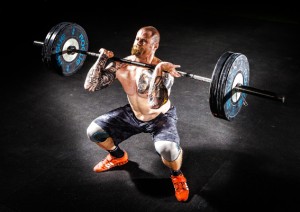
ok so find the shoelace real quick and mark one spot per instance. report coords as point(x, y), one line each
point(107, 159)
point(179, 184)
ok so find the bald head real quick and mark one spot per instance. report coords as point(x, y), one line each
point(153, 33)
point(146, 42)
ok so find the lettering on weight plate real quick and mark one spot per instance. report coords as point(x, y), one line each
point(82, 42)
point(58, 49)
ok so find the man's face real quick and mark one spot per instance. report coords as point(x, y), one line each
point(143, 44)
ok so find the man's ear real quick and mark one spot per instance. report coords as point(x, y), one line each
point(156, 45)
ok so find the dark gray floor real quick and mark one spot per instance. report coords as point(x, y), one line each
point(249, 164)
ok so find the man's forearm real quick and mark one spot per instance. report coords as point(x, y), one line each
point(93, 79)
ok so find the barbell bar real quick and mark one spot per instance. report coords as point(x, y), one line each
point(239, 87)
point(66, 47)
point(72, 50)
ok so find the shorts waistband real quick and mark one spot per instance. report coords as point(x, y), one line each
point(128, 108)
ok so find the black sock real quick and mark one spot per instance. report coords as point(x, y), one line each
point(117, 152)
point(175, 173)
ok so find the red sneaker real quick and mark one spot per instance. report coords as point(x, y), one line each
point(110, 161)
point(181, 187)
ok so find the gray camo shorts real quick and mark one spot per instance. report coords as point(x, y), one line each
point(121, 123)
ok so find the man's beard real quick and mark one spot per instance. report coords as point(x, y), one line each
point(137, 50)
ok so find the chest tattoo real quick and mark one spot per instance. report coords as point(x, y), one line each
point(144, 81)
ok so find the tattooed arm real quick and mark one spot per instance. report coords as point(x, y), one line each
point(161, 82)
point(99, 77)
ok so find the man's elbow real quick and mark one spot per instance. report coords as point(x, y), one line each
point(86, 86)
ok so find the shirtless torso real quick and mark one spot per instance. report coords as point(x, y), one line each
point(136, 82)
point(147, 90)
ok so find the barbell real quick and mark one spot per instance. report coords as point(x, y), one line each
point(66, 47)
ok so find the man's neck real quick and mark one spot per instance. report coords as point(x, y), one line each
point(144, 59)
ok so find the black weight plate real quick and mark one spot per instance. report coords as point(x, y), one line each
point(238, 72)
point(49, 46)
point(71, 34)
point(222, 82)
point(213, 90)
point(46, 42)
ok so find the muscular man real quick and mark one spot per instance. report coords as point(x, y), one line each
point(149, 109)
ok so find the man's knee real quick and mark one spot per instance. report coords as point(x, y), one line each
point(169, 150)
point(96, 134)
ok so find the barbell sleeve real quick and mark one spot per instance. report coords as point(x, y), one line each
point(259, 92)
point(38, 43)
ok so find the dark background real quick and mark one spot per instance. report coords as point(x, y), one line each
point(249, 164)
